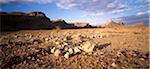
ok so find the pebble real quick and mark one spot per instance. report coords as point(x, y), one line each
point(67, 55)
point(57, 53)
point(29, 57)
point(52, 50)
point(142, 59)
point(57, 43)
point(101, 53)
point(66, 48)
point(65, 44)
point(88, 46)
point(76, 50)
point(70, 51)
point(33, 58)
point(46, 39)
point(113, 65)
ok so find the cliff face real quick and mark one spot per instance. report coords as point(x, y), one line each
point(19, 20)
point(62, 24)
point(14, 21)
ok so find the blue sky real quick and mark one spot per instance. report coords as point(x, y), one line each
point(96, 12)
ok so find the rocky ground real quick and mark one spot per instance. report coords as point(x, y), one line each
point(101, 48)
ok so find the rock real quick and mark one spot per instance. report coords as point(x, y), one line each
point(57, 43)
point(57, 53)
point(88, 46)
point(46, 39)
point(101, 53)
point(76, 36)
point(29, 57)
point(70, 50)
point(33, 59)
point(66, 48)
point(76, 50)
point(35, 43)
point(53, 50)
point(113, 65)
point(119, 54)
point(65, 44)
point(38, 60)
point(142, 59)
point(67, 55)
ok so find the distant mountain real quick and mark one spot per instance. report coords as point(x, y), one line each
point(14, 21)
point(110, 23)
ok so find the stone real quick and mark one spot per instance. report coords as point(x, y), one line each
point(88, 46)
point(53, 50)
point(33, 59)
point(76, 50)
point(70, 50)
point(65, 44)
point(38, 60)
point(67, 55)
point(29, 57)
point(101, 53)
point(57, 43)
point(46, 39)
point(57, 53)
point(113, 65)
point(142, 59)
point(76, 36)
point(66, 48)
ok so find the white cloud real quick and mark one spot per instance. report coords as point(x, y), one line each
point(111, 5)
point(36, 1)
point(66, 6)
point(95, 7)
point(143, 12)
point(92, 14)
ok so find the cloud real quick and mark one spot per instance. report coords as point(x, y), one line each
point(92, 14)
point(36, 1)
point(143, 12)
point(69, 6)
point(95, 7)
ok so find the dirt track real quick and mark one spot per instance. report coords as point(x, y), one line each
point(114, 48)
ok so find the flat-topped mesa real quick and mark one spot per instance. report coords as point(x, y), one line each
point(82, 24)
point(36, 14)
point(20, 20)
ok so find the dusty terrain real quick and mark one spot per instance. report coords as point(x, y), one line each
point(99, 48)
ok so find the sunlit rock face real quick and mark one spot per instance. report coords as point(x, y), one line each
point(111, 23)
point(61, 24)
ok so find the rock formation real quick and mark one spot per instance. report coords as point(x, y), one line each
point(110, 23)
point(14, 21)
point(18, 20)
point(61, 24)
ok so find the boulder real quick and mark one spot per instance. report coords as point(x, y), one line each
point(67, 55)
point(88, 46)
point(70, 50)
point(53, 50)
point(57, 53)
point(76, 50)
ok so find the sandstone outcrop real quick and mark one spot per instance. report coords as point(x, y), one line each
point(14, 21)
point(111, 23)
